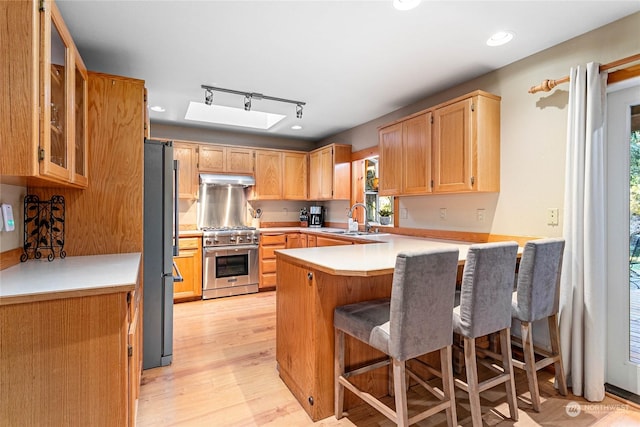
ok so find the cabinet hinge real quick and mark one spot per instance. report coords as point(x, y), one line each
point(40, 154)
point(431, 119)
point(431, 183)
point(128, 297)
point(473, 107)
point(130, 351)
point(42, 6)
point(473, 180)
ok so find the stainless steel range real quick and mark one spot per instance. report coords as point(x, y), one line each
point(230, 248)
point(230, 261)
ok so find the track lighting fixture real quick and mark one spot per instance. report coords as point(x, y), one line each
point(208, 97)
point(248, 96)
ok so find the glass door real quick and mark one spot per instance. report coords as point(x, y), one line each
point(623, 230)
point(80, 93)
point(56, 83)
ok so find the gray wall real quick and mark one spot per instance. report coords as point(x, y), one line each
point(533, 131)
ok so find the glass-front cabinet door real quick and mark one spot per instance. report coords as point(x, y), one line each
point(80, 118)
point(63, 97)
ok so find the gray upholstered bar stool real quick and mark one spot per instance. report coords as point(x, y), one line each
point(485, 308)
point(415, 321)
point(537, 298)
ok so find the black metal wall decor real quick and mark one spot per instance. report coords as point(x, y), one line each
point(43, 228)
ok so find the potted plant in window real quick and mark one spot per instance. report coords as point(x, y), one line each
point(385, 213)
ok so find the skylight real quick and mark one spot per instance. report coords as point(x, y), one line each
point(220, 114)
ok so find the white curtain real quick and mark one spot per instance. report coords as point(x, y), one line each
point(583, 286)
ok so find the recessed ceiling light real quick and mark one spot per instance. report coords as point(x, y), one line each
point(500, 38)
point(221, 114)
point(296, 127)
point(405, 4)
point(158, 109)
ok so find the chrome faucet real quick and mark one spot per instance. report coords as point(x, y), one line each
point(367, 227)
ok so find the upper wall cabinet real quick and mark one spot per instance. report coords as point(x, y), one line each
point(44, 95)
point(405, 156)
point(225, 159)
point(280, 175)
point(186, 155)
point(466, 145)
point(453, 147)
point(330, 173)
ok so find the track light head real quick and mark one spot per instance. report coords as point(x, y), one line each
point(247, 103)
point(208, 97)
point(299, 111)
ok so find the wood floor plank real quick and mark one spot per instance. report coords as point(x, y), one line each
point(224, 374)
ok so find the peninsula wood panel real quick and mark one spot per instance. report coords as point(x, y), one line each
point(107, 216)
point(64, 362)
point(305, 301)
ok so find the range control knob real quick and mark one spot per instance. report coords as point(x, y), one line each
point(208, 242)
point(232, 239)
point(239, 239)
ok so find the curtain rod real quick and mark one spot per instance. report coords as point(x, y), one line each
point(549, 84)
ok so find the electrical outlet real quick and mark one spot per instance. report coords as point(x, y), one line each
point(480, 215)
point(443, 213)
point(404, 213)
point(553, 216)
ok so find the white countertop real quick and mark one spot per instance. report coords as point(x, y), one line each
point(367, 260)
point(39, 280)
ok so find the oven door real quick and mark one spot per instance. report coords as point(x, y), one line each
point(229, 266)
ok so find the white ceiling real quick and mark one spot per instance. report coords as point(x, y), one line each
point(350, 61)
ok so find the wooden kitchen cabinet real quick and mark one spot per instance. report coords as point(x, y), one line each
point(280, 175)
point(466, 144)
point(269, 243)
point(189, 262)
point(45, 94)
point(296, 240)
point(225, 159)
point(295, 176)
point(458, 153)
point(186, 155)
point(328, 241)
point(330, 173)
point(268, 175)
point(405, 156)
point(81, 363)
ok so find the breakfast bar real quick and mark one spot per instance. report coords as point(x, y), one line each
point(311, 283)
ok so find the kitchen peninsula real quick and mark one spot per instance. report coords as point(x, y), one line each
point(311, 283)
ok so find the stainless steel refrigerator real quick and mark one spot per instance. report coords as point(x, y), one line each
point(160, 245)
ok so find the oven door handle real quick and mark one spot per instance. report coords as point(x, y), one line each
point(178, 276)
point(231, 248)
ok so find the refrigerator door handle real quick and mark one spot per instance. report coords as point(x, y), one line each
point(176, 192)
point(178, 276)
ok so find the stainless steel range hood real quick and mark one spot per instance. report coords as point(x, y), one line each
point(241, 180)
point(222, 201)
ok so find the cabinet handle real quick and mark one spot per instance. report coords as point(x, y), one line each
point(310, 275)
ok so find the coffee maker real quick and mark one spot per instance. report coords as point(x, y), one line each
point(315, 216)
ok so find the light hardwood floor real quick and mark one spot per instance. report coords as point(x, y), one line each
point(224, 374)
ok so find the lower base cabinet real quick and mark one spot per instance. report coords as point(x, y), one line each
point(189, 263)
point(71, 361)
point(269, 243)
